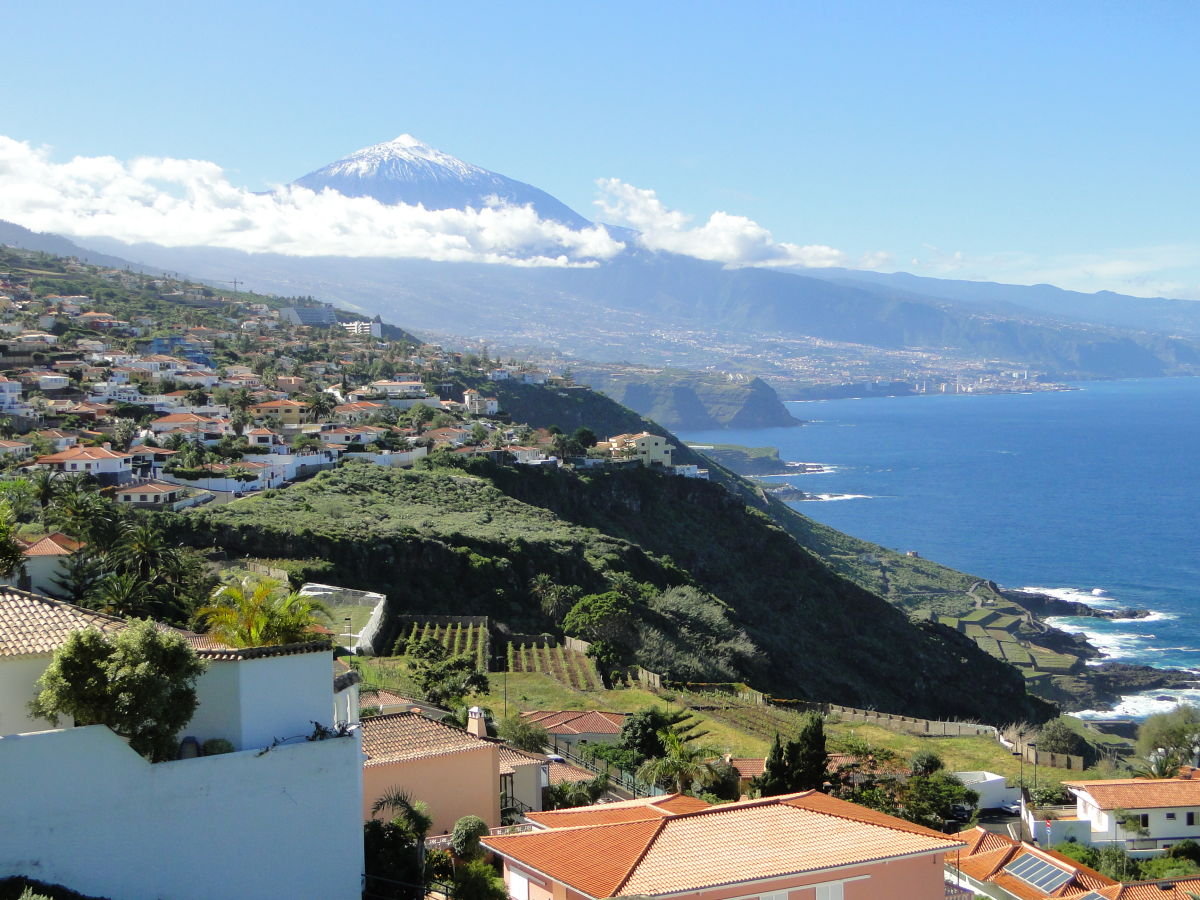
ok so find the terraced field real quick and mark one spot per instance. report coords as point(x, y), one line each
point(457, 637)
point(570, 667)
point(996, 633)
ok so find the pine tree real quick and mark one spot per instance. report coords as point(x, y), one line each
point(811, 760)
point(774, 779)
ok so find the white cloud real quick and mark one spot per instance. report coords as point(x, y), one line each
point(183, 202)
point(725, 238)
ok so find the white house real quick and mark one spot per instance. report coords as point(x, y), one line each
point(98, 818)
point(107, 465)
point(993, 789)
point(42, 562)
point(479, 405)
point(1142, 813)
point(15, 449)
point(53, 382)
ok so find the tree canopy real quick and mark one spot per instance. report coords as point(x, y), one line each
point(140, 683)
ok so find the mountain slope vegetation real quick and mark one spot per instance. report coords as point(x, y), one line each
point(468, 538)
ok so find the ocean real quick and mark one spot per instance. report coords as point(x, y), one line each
point(1090, 494)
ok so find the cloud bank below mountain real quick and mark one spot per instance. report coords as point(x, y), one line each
point(185, 202)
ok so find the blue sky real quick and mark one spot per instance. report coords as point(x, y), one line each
point(1011, 141)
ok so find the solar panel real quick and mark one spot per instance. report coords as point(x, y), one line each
point(1038, 873)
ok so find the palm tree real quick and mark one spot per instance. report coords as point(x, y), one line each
point(141, 550)
point(123, 595)
point(83, 514)
point(321, 404)
point(256, 612)
point(682, 763)
point(412, 814)
point(45, 486)
point(1161, 763)
point(241, 399)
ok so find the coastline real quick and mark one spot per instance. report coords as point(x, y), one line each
point(1080, 649)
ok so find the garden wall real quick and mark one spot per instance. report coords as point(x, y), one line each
point(84, 810)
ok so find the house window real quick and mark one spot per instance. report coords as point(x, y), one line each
point(774, 895)
point(518, 885)
point(1191, 818)
point(1145, 820)
point(1170, 817)
point(831, 892)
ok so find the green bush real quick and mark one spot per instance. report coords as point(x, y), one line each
point(217, 746)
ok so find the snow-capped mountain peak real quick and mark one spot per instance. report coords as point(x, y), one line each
point(407, 170)
point(394, 155)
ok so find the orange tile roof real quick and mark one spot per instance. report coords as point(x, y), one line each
point(773, 837)
point(641, 810)
point(1140, 793)
point(1165, 889)
point(577, 721)
point(511, 757)
point(149, 487)
point(980, 840)
point(594, 860)
point(402, 736)
point(72, 454)
point(54, 544)
point(986, 856)
point(561, 772)
point(748, 768)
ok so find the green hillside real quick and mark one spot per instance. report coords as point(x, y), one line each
point(749, 603)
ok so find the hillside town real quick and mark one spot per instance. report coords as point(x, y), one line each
point(180, 723)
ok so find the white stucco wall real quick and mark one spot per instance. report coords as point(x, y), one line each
point(17, 677)
point(253, 702)
point(93, 815)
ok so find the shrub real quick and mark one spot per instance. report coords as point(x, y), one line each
point(140, 683)
point(217, 746)
point(464, 838)
point(477, 881)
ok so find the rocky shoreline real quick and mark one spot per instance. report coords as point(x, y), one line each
point(1100, 685)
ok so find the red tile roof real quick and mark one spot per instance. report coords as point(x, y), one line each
point(621, 811)
point(692, 851)
point(53, 544)
point(987, 855)
point(402, 736)
point(576, 721)
point(1140, 793)
point(74, 454)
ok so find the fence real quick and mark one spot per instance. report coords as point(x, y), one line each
point(623, 780)
point(1027, 749)
point(442, 841)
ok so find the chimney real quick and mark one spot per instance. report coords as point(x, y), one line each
point(108, 445)
point(476, 723)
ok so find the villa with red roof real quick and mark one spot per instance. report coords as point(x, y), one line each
point(805, 846)
point(1168, 809)
point(574, 726)
point(107, 465)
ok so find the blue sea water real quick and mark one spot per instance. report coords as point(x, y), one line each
point(1075, 492)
